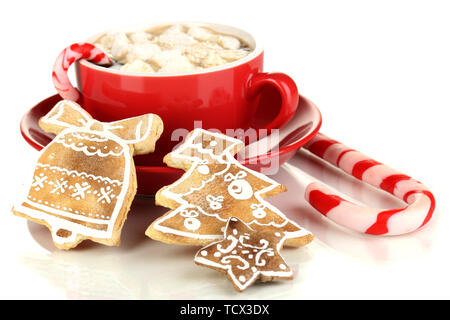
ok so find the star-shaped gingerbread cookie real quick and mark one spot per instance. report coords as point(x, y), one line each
point(246, 255)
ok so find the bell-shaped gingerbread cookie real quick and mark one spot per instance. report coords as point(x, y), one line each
point(85, 179)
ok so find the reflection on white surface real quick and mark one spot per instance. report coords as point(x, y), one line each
point(141, 268)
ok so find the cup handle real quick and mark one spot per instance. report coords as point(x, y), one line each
point(288, 92)
point(66, 58)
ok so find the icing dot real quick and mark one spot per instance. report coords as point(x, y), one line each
point(241, 278)
point(217, 254)
point(235, 232)
point(277, 234)
point(250, 256)
point(203, 169)
point(233, 219)
point(234, 252)
point(204, 253)
point(282, 266)
point(213, 143)
point(192, 224)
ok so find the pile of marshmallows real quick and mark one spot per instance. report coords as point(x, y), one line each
point(177, 49)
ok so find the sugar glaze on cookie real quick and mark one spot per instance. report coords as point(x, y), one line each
point(85, 180)
point(214, 188)
point(246, 255)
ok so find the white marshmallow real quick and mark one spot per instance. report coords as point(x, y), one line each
point(140, 37)
point(174, 37)
point(232, 55)
point(173, 61)
point(199, 33)
point(120, 47)
point(137, 66)
point(212, 60)
point(228, 42)
point(106, 41)
point(143, 52)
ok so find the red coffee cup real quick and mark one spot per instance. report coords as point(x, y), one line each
point(224, 97)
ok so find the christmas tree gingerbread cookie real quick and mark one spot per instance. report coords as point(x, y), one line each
point(85, 180)
point(214, 188)
point(246, 255)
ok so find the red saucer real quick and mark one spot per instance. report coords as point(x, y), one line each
point(293, 135)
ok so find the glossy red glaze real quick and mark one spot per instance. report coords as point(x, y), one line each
point(303, 126)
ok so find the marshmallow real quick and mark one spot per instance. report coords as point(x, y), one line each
point(140, 37)
point(228, 42)
point(175, 49)
point(120, 47)
point(232, 55)
point(143, 52)
point(199, 33)
point(137, 66)
point(172, 61)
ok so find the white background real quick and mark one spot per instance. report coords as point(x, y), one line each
point(378, 70)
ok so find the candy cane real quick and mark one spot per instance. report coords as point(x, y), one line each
point(68, 56)
point(420, 200)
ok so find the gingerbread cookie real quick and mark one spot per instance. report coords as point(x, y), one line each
point(246, 255)
point(214, 188)
point(85, 180)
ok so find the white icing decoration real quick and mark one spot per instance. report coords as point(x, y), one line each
point(80, 191)
point(240, 190)
point(105, 195)
point(238, 241)
point(245, 192)
point(54, 217)
point(215, 203)
point(203, 169)
point(192, 224)
point(258, 210)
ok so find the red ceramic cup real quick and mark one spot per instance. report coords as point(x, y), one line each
point(224, 97)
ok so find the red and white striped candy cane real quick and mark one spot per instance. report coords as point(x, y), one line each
point(68, 56)
point(420, 200)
